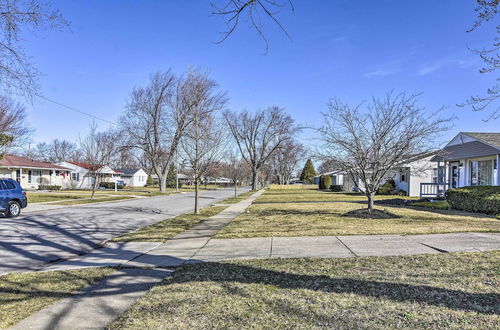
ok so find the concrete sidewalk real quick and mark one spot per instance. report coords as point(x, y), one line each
point(144, 266)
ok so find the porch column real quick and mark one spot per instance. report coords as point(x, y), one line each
point(498, 169)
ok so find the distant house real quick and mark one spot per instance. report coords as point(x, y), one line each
point(469, 159)
point(133, 177)
point(339, 178)
point(31, 173)
point(82, 174)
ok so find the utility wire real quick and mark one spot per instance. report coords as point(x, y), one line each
point(76, 110)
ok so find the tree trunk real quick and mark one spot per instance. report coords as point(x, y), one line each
point(371, 197)
point(235, 193)
point(163, 183)
point(196, 196)
point(254, 179)
point(94, 185)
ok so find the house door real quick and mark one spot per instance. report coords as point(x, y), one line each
point(455, 175)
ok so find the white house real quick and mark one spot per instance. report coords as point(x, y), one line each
point(410, 175)
point(81, 174)
point(133, 177)
point(469, 159)
point(32, 174)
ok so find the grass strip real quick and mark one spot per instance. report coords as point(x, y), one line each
point(95, 200)
point(23, 294)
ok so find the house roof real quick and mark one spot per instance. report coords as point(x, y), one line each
point(493, 139)
point(127, 171)
point(18, 161)
point(479, 145)
point(90, 167)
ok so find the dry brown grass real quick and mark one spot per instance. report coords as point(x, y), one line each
point(446, 291)
point(298, 215)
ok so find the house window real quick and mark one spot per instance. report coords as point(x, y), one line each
point(75, 176)
point(481, 172)
point(402, 178)
point(33, 176)
point(58, 172)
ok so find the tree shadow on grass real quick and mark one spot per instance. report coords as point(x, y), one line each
point(224, 273)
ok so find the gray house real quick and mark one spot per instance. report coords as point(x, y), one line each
point(469, 159)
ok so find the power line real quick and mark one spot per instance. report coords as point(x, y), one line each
point(76, 110)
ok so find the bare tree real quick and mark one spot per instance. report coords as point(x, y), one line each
point(487, 10)
point(155, 119)
point(205, 137)
point(13, 124)
point(253, 12)
point(235, 169)
point(55, 151)
point(285, 160)
point(260, 134)
point(98, 148)
point(16, 68)
point(368, 143)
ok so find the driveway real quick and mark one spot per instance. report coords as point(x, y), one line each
point(30, 241)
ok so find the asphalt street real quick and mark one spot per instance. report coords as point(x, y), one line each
point(31, 241)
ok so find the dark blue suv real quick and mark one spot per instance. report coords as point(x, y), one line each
point(12, 198)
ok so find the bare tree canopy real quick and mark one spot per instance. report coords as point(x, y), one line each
point(13, 123)
point(253, 12)
point(258, 135)
point(98, 148)
point(16, 17)
point(371, 139)
point(204, 142)
point(55, 151)
point(236, 169)
point(487, 10)
point(285, 160)
point(158, 115)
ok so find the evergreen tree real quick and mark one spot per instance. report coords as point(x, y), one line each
point(171, 177)
point(308, 172)
point(149, 182)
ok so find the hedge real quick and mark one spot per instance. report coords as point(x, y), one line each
point(482, 199)
point(48, 187)
point(110, 185)
point(336, 187)
point(325, 181)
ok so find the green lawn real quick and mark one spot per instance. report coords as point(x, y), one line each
point(291, 217)
point(440, 205)
point(35, 197)
point(23, 294)
point(446, 291)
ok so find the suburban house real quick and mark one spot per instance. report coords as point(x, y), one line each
point(133, 177)
point(469, 159)
point(410, 175)
point(32, 174)
point(339, 178)
point(81, 174)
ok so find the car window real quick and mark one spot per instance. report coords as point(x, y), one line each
point(9, 185)
point(2, 185)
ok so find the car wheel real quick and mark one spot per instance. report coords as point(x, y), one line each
point(13, 209)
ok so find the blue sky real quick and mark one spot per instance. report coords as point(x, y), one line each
point(345, 49)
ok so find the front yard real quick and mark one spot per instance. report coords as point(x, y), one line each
point(317, 213)
point(457, 291)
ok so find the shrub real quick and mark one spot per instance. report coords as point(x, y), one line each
point(325, 181)
point(149, 182)
point(48, 187)
point(336, 187)
point(482, 199)
point(110, 185)
point(388, 188)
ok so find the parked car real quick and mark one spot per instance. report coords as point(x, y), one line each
point(12, 198)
